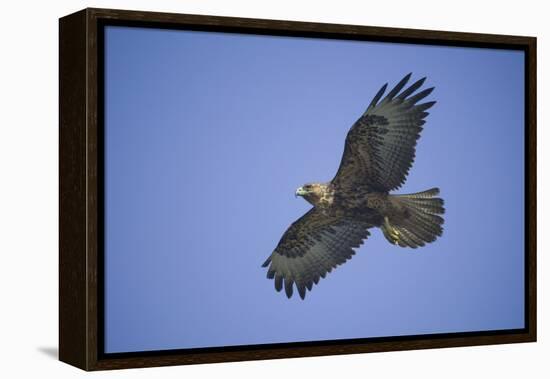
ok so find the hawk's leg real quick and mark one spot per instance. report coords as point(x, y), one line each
point(391, 233)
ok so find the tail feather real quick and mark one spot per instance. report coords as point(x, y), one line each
point(420, 222)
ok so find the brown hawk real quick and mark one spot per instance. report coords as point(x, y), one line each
point(378, 153)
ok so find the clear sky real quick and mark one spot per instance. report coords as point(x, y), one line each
point(208, 135)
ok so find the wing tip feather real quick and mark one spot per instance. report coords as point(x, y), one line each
point(267, 262)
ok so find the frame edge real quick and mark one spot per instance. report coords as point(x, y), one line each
point(72, 190)
point(531, 172)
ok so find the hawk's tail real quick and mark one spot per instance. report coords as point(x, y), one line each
point(421, 222)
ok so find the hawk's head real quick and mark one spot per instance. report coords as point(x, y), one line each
point(312, 192)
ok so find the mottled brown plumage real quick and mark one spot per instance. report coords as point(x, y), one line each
point(378, 153)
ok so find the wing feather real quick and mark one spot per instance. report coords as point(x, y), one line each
point(411, 89)
point(398, 87)
point(378, 96)
point(311, 247)
point(380, 147)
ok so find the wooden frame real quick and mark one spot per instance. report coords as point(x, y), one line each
point(80, 281)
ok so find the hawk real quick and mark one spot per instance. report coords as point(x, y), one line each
point(378, 153)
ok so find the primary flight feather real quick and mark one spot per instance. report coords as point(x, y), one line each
point(378, 153)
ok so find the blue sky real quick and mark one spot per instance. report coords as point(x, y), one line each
point(207, 136)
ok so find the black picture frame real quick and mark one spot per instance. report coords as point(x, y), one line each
point(81, 181)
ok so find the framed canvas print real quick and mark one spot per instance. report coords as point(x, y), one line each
point(237, 189)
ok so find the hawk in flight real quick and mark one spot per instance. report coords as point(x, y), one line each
point(378, 153)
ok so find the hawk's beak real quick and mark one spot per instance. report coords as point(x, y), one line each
point(300, 192)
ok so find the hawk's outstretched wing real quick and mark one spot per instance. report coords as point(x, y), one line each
point(312, 246)
point(380, 146)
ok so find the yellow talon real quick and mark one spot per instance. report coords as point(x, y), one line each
point(393, 233)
